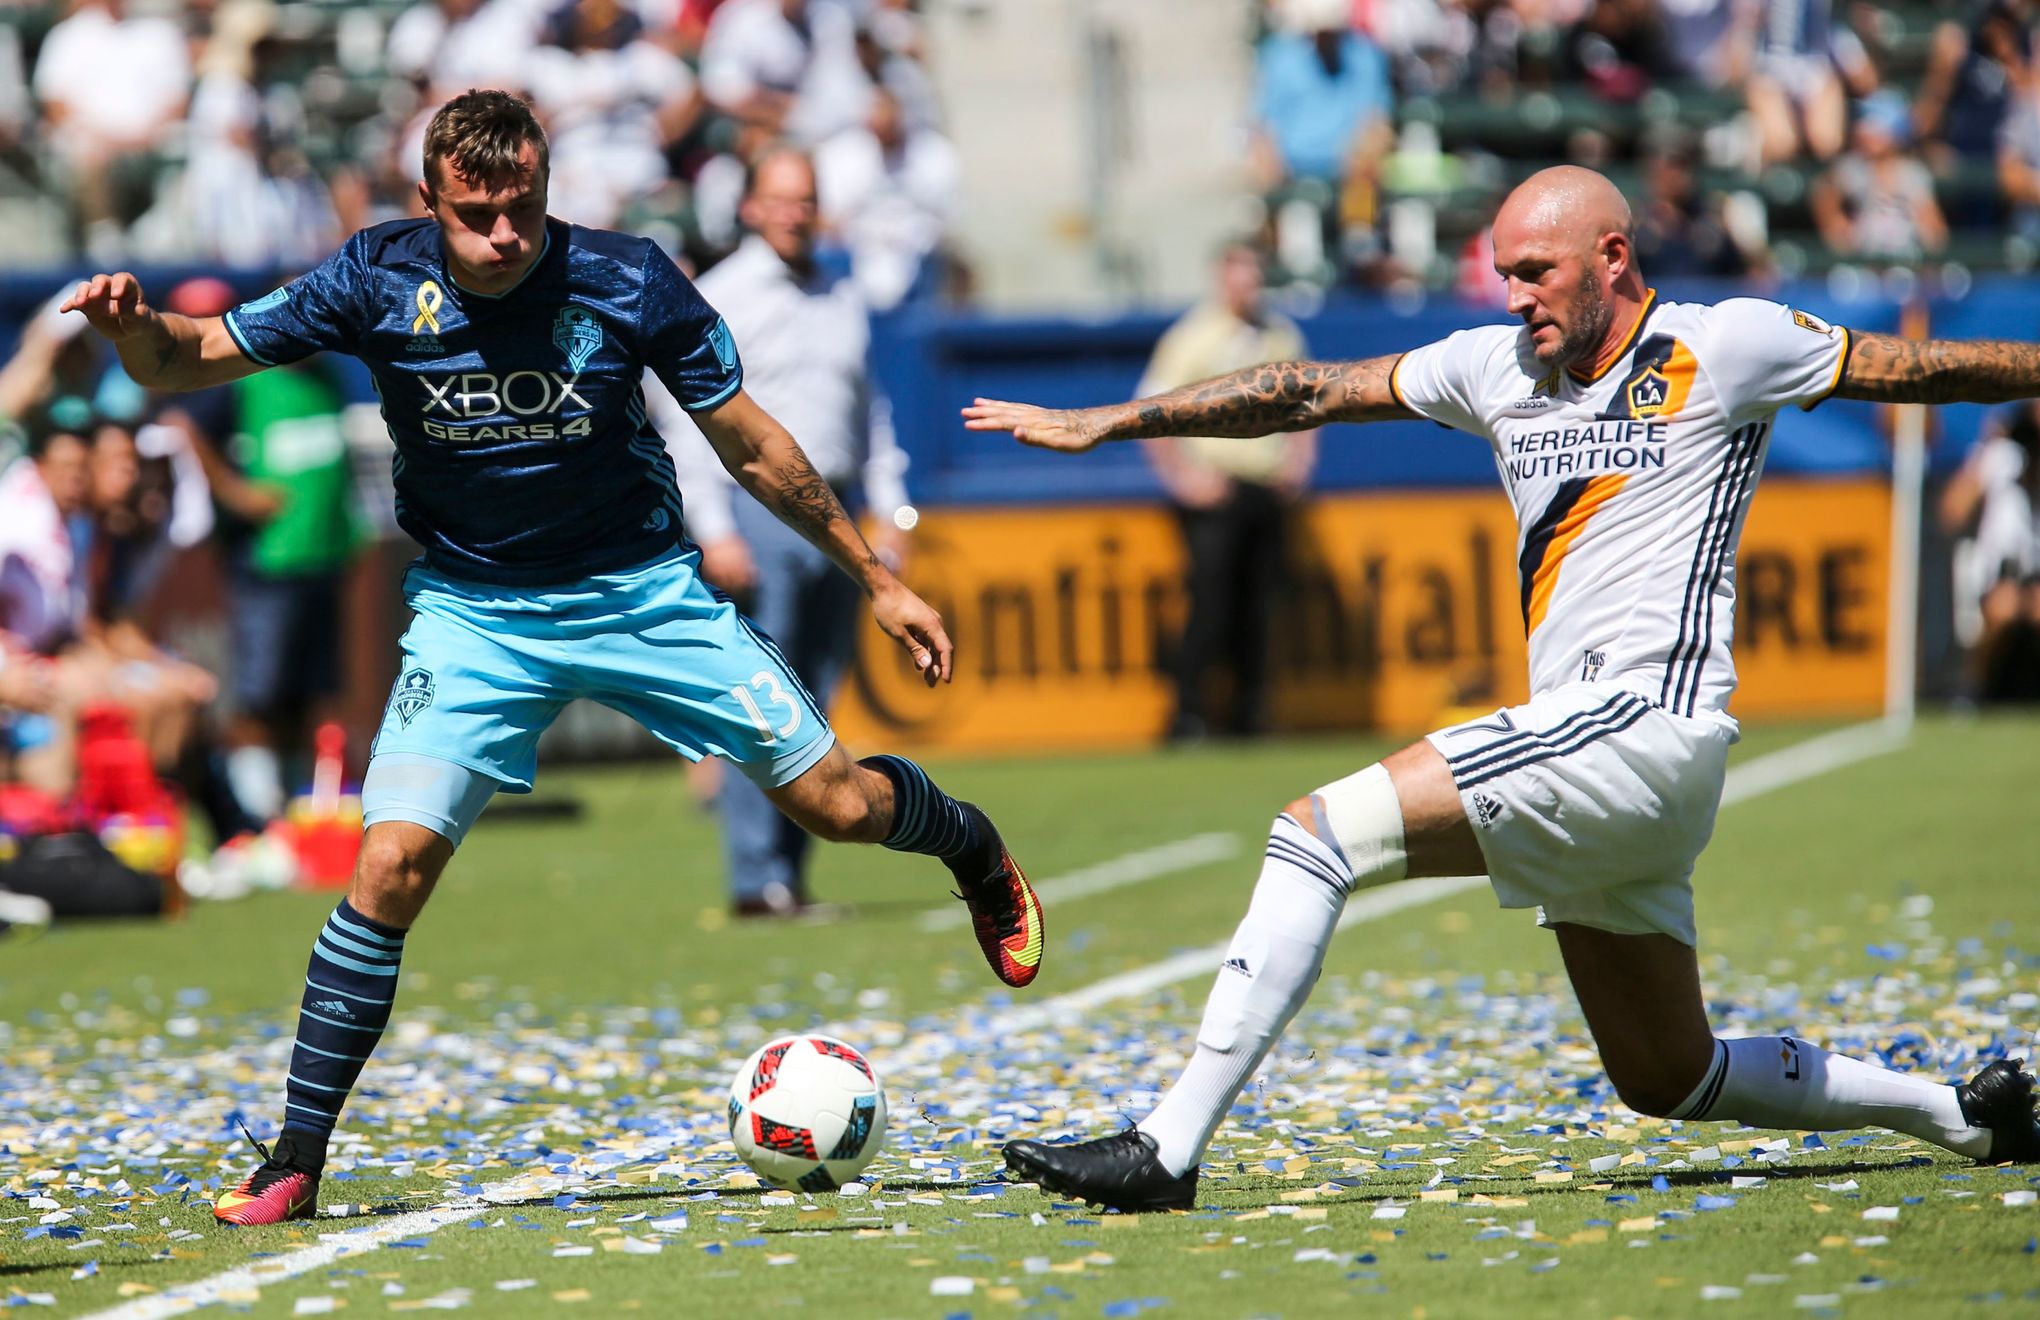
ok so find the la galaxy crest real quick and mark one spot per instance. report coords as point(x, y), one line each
point(578, 334)
point(1647, 392)
point(413, 695)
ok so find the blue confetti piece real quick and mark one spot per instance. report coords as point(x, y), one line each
point(1715, 1203)
point(1660, 1183)
point(407, 1242)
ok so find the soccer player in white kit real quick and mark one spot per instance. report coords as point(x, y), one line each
point(1629, 433)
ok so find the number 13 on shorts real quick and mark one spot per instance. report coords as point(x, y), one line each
point(768, 693)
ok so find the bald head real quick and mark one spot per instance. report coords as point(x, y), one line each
point(1563, 246)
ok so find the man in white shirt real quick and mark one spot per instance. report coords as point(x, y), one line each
point(1629, 434)
point(804, 339)
point(110, 87)
point(788, 66)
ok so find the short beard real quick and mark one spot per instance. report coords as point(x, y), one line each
point(1590, 318)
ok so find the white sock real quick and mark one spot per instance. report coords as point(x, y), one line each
point(256, 777)
point(1268, 972)
point(1779, 1082)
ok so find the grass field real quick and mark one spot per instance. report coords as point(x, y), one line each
point(1433, 1138)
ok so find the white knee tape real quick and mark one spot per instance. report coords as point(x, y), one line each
point(1364, 818)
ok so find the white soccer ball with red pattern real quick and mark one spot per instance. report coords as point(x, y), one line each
point(807, 1112)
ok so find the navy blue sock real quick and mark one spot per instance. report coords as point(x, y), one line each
point(349, 987)
point(928, 820)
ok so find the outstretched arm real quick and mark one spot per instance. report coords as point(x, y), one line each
point(1887, 369)
point(769, 463)
point(1278, 396)
point(160, 350)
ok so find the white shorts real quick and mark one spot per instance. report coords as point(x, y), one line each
point(1592, 803)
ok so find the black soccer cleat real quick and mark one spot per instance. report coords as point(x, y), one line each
point(2001, 1098)
point(1119, 1172)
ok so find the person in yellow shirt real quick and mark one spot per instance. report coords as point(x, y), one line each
point(1234, 498)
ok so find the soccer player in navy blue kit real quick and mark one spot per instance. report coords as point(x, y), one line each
point(508, 349)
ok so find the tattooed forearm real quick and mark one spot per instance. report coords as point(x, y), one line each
point(1277, 396)
point(803, 500)
point(166, 353)
point(1887, 369)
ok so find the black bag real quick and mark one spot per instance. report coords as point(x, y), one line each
point(78, 877)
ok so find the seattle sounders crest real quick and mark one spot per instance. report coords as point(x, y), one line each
point(578, 334)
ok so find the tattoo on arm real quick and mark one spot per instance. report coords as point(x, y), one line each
point(166, 353)
point(803, 499)
point(1277, 396)
point(1887, 369)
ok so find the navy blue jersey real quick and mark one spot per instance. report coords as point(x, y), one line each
point(524, 456)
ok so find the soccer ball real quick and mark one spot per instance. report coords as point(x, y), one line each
point(807, 1113)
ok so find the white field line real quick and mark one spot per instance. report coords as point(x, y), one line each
point(1113, 873)
point(246, 1279)
point(1765, 774)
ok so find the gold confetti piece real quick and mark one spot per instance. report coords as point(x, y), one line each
point(1313, 1212)
point(1299, 1164)
point(1817, 1207)
point(1633, 1157)
point(1640, 1224)
point(133, 1289)
point(1446, 1194)
point(572, 1295)
point(1117, 1221)
point(1834, 1240)
point(818, 1215)
point(1002, 1294)
point(1382, 1235)
point(1586, 1236)
point(1554, 1176)
point(1305, 1194)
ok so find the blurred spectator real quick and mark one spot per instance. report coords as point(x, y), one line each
point(1617, 50)
point(1876, 203)
point(1235, 499)
point(451, 45)
point(113, 90)
point(1700, 39)
point(246, 197)
point(275, 454)
point(1680, 230)
point(42, 594)
point(1321, 131)
point(804, 339)
point(789, 67)
point(613, 103)
point(2018, 161)
point(1974, 75)
point(1989, 505)
point(891, 193)
point(1803, 65)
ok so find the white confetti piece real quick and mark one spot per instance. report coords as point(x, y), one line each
point(1848, 1186)
point(1719, 1292)
point(1747, 1182)
point(515, 1285)
point(1881, 1213)
point(2025, 1196)
point(1817, 1301)
point(573, 1251)
point(315, 1306)
point(951, 1285)
point(1603, 1163)
point(1388, 1212)
point(1314, 1253)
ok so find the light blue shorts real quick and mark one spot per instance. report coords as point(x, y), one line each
point(487, 669)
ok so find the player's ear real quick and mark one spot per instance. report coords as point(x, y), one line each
point(425, 196)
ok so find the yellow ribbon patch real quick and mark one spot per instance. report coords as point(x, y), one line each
point(429, 301)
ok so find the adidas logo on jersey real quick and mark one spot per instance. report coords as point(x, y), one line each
point(1488, 810)
point(337, 1008)
point(1237, 965)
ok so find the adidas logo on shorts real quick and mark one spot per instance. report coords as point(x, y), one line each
point(1487, 810)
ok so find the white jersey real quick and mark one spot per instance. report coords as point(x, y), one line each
point(1631, 487)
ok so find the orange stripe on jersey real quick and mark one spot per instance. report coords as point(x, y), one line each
point(1540, 579)
point(1622, 349)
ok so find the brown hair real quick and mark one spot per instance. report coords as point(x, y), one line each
point(481, 134)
